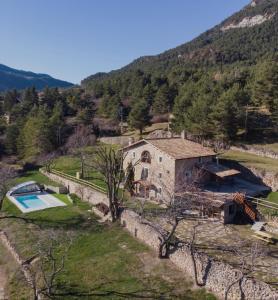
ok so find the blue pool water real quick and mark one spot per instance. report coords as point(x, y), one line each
point(30, 201)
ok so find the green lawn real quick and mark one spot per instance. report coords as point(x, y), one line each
point(252, 160)
point(104, 261)
point(273, 197)
point(70, 165)
point(36, 176)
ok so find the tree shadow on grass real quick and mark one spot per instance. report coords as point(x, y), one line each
point(75, 292)
point(75, 223)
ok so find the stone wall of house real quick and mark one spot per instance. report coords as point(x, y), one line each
point(87, 194)
point(213, 275)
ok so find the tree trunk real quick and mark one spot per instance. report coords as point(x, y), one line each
point(82, 168)
point(194, 266)
point(1, 202)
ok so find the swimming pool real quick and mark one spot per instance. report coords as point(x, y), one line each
point(30, 201)
point(35, 201)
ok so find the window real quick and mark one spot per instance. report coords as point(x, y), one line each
point(144, 173)
point(159, 175)
point(200, 159)
point(146, 157)
point(133, 154)
point(160, 159)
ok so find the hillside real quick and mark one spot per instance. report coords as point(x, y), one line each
point(17, 79)
point(207, 83)
point(254, 28)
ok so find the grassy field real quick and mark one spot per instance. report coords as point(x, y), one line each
point(70, 164)
point(148, 129)
point(104, 261)
point(252, 160)
point(272, 197)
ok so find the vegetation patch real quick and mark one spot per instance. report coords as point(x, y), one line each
point(103, 260)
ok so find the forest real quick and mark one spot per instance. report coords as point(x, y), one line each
point(223, 85)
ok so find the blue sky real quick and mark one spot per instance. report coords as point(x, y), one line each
point(71, 39)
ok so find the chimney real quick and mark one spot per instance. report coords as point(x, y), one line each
point(130, 141)
point(183, 135)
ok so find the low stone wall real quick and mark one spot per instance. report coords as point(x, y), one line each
point(269, 178)
point(272, 224)
point(10, 247)
point(256, 151)
point(120, 140)
point(56, 189)
point(85, 193)
point(214, 275)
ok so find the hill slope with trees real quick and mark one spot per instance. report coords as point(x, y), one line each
point(210, 83)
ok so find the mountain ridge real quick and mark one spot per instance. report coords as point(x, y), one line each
point(188, 51)
point(11, 78)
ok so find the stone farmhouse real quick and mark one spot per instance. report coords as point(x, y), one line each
point(167, 166)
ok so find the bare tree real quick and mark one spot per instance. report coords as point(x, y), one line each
point(109, 163)
point(247, 257)
point(176, 204)
point(180, 199)
point(7, 173)
point(48, 160)
point(48, 265)
point(77, 143)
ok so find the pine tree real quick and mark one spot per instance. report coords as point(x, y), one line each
point(36, 135)
point(265, 89)
point(139, 116)
point(11, 98)
point(161, 102)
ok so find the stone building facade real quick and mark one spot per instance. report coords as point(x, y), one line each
point(166, 164)
point(167, 167)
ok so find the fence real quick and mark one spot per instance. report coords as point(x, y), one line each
point(263, 203)
point(80, 181)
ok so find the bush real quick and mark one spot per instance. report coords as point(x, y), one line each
point(74, 198)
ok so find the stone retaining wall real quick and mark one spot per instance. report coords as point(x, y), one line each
point(214, 275)
point(56, 189)
point(10, 247)
point(120, 140)
point(85, 193)
point(269, 178)
point(252, 150)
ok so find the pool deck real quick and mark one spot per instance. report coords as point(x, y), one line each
point(48, 200)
